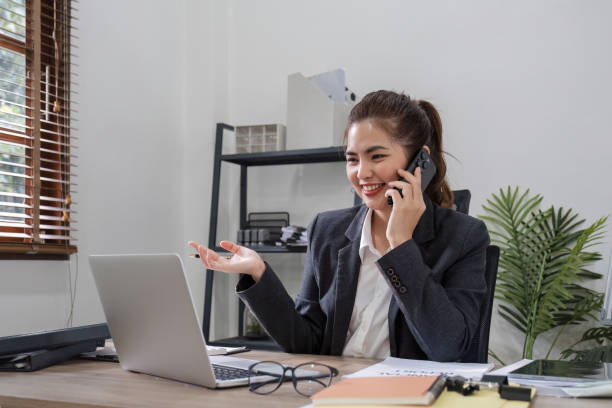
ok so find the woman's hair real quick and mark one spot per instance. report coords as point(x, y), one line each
point(412, 124)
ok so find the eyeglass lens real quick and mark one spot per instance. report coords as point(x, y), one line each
point(265, 377)
point(310, 378)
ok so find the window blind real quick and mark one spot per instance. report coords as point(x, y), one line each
point(37, 177)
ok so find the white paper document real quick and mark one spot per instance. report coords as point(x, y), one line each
point(394, 367)
point(594, 389)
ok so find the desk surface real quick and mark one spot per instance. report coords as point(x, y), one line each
point(102, 384)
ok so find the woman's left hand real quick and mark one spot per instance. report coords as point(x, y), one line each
point(407, 210)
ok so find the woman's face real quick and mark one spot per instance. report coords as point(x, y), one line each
point(372, 160)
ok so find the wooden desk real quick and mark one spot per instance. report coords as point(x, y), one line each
point(81, 383)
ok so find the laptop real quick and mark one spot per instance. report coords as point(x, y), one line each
point(153, 321)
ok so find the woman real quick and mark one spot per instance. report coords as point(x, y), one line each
point(404, 280)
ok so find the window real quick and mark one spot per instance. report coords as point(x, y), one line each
point(35, 121)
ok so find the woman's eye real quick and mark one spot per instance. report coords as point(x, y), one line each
point(378, 156)
point(351, 159)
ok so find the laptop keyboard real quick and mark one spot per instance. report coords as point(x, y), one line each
point(229, 373)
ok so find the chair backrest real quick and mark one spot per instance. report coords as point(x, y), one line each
point(461, 198)
point(479, 349)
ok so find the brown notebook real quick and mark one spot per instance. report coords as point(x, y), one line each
point(382, 390)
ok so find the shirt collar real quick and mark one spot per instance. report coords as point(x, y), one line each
point(366, 236)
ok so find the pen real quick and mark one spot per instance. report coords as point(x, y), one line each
point(197, 256)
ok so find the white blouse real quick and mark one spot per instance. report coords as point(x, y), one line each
point(368, 334)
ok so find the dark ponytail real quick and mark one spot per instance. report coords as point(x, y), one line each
point(439, 190)
point(412, 124)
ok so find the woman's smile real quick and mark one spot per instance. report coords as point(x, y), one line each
point(372, 189)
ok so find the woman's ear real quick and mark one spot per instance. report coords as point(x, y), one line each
point(427, 149)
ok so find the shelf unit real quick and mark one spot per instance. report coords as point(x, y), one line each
point(246, 160)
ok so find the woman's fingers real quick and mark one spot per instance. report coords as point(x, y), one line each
point(413, 179)
point(412, 182)
point(394, 194)
point(405, 188)
point(240, 259)
point(209, 258)
point(230, 246)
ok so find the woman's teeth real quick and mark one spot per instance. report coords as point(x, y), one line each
point(372, 187)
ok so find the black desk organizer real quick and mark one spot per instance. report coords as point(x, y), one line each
point(246, 160)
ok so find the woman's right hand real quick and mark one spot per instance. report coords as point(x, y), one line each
point(242, 260)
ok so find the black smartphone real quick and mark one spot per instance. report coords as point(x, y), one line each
point(428, 170)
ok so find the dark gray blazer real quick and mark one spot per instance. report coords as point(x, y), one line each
point(437, 280)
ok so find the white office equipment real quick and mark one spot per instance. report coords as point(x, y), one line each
point(314, 117)
point(153, 321)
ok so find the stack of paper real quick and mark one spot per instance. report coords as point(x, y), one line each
point(294, 235)
point(393, 366)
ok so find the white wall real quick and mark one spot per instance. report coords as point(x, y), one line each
point(144, 118)
point(522, 89)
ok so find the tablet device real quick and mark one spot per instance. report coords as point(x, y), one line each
point(569, 371)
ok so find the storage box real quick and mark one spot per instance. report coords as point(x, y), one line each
point(260, 138)
point(313, 118)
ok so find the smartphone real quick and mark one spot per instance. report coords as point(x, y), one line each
point(428, 170)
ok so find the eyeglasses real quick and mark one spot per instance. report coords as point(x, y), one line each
point(308, 378)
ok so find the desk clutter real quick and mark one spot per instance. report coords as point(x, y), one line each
point(404, 382)
point(271, 228)
point(437, 391)
point(395, 382)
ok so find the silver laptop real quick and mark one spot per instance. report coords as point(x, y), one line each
point(153, 322)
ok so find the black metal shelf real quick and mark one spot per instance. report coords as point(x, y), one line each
point(244, 161)
point(302, 156)
point(264, 343)
point(270, 249)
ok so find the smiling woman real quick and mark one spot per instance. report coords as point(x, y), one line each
point(405, 280)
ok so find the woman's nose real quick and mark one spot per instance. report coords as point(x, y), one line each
point(364, 170)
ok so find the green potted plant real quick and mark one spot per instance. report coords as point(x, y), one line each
point(543, 263)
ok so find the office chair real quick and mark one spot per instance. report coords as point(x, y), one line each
point(479, 349)
point(461, 199)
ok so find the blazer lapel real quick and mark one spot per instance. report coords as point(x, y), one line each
point(347, 276)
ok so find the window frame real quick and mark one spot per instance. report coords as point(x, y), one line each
point(57, 146)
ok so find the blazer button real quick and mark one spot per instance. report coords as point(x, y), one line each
point(402, 290)
point(390, 271)
point(394, 279)
point(397, 283)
